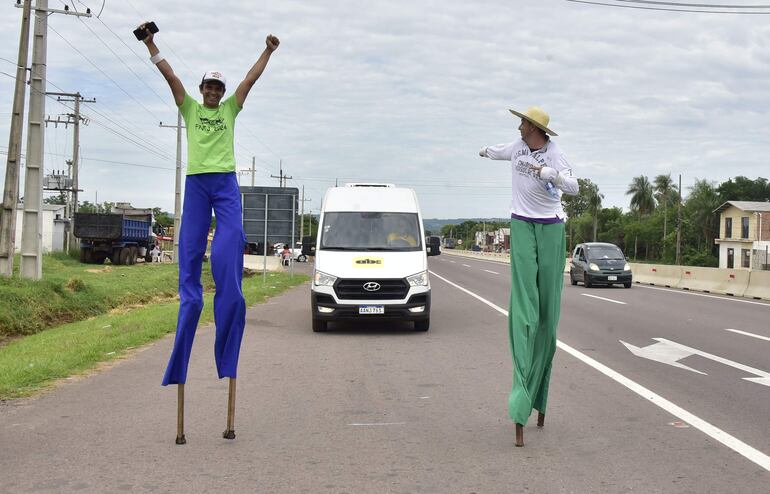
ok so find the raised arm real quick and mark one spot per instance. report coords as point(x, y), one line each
point(256, 70)
point(177, 89)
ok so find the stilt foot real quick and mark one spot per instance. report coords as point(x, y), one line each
point(181, 439)
point(229, 434)
point(540, 419)
point(519, 435)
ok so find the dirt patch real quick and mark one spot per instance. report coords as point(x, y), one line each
point(105, 269)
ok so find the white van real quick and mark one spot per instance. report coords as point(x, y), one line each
point(370, 259)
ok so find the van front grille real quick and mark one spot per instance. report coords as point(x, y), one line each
point(390, 289)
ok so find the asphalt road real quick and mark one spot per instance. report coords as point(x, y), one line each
point(378, 407)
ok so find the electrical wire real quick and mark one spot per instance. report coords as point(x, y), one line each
point(639, 7)
point(103, 73)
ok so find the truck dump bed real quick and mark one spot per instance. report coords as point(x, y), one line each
point(111, 227)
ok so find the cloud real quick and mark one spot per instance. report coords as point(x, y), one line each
point(406, 92)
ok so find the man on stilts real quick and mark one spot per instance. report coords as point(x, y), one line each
point(211, 183)
point(541, 173)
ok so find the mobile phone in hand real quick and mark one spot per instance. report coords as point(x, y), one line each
point(141, 32)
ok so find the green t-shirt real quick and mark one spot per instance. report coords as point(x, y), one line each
point(210, 135)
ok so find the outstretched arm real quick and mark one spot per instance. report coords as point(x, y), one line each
point(177, 89)
point(256, 70)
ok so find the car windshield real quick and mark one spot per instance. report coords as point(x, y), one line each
point(371, 231)
point(604, 252)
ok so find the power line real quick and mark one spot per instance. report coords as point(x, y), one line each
point(157, 152)
point(639, 7)
point(693, 5)
point(103, 73)
point(164, 100)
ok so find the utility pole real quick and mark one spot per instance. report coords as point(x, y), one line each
point(679, 226)
point(74, 119)
point(302, 214)
point(281, 177)
point(253, 169)
point(32, 220)
point(11, 191)
point(177, 182)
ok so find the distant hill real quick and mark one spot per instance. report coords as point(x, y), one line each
point(435, 224)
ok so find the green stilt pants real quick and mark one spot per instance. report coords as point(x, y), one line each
point(537, 277)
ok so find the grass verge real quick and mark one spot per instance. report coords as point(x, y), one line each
point(30, 364)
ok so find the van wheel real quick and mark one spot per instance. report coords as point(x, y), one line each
point(627, 285)
point(572, 279)
point(302, 258)
point(319, 325)
point(587, 280)
point(422, 325)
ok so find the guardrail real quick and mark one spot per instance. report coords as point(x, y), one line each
point(736, 282)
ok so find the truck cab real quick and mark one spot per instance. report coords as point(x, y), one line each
point(371, 257)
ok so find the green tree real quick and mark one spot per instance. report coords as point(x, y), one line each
point(574, 206)
point(702, 224)
point(744, 189)
point(642, 201)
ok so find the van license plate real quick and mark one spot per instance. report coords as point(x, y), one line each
point(371, 309)
point(612, 278)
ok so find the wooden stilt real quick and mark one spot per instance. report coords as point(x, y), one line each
point(519, 435)
point(540, 419)
point(180, 415)
point(230, 431)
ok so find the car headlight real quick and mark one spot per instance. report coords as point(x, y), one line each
point(593, 267)
point(322, 279)
point(626, 267)
point(419, 279)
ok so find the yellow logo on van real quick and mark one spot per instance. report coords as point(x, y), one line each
point(368, 262)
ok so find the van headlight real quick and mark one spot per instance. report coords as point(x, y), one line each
point(419, 279)
point(322, 279)
point(626, 267)
point(593, 267)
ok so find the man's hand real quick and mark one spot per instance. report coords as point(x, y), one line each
point(549, 174)
point(150, 35)
point(272, 42)
point(483, 152)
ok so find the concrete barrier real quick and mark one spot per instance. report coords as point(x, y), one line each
point(490, 256)
point(759, 285)
point(657, 274)
point(256, 263)
point(715, 280)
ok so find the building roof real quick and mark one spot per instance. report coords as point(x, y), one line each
point(751, 206)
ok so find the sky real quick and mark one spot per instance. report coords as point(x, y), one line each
point(406, 92)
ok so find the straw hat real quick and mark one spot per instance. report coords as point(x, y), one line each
point(537, 117)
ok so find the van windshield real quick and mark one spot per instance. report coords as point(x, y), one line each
point(371, 231)
point(604, 252)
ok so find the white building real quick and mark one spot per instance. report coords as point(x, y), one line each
point(744, 235)
point(54, 227)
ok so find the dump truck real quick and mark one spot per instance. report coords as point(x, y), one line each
point(121, 237)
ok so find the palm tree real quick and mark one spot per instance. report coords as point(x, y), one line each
point(663, 186)
point(594, 204)
point(642, 199)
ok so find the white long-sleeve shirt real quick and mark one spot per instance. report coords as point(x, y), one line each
point(530, 198)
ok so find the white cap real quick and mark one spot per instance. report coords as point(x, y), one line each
point(214, 75)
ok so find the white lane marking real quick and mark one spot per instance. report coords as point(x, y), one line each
point(688, 292)
point(452, 262)
point(605, 299)
point(378, 424)
point(748, 334)
point(719, 435)
point(467, 266)
point(488, 271)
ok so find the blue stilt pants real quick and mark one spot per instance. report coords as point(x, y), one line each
point(204, 192)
